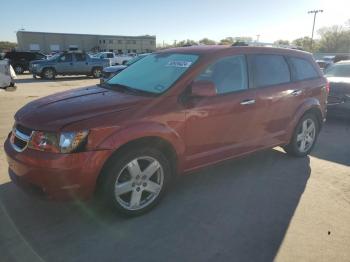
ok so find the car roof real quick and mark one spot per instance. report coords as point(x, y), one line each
point(212, 49)
point(343, 62)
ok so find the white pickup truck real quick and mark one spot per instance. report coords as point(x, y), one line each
point(115, 59)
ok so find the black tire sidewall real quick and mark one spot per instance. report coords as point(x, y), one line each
point(116, 163)
point(44, 75)
point(292, 148)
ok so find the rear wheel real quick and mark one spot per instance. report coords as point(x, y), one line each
point(136, 181)
point(97, 72)
point(304, 137)
point(49, 73)
point(19, 69)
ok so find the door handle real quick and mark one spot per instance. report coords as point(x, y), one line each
point(296, 92)
point(248, 102)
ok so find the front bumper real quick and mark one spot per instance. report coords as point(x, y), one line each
point(56, 176)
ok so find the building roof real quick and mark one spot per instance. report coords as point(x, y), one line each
point(34, 32)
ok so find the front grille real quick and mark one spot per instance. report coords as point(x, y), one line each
point(20, 137)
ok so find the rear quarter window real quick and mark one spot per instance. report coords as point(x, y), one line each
point(269, 70)
point(302, 69)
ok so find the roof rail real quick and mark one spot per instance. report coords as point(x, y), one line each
point(262, 44)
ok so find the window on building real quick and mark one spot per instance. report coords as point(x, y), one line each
point(34, 47)
point(302, 69)
point(110, 41)
point(134, 51)
point(54, 48)
point(269, 70)
point(134, 42)
point(152, 42)
point(120, 41)
point(129, 51)
point(100, 41)
point(104, 41)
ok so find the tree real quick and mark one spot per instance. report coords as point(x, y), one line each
point(281, 42)
point(5, 45)
point(206, 41)
point(304, 43)
point(334, 39)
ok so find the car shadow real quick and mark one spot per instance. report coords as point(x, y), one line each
point(236, 211)
point(57, 79)
point(334, 142)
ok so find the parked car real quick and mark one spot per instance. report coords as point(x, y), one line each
point(338, 76)
point(7, 74)
point(109, 72)
point(323, 64)
point(20, 60)
point(173, 112)
point(112, 57)
point(68, 63)
point(339, 58)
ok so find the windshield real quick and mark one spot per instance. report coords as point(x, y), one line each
point(53, 57)
point(137, 58)
point(154, 73)
point(340, 70)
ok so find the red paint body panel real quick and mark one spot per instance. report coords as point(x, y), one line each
point(201, 130)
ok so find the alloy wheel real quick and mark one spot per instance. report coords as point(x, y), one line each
point(139, 183)
point(306, 135)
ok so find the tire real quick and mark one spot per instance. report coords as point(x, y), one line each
point(124, 62)
point(304, 137)
point(48, 73)
point(97, 72)
point(19, 69)
point(135, 180)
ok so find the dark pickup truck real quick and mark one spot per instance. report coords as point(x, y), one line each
point(69, 63)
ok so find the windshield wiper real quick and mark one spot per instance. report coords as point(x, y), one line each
point(130, 89)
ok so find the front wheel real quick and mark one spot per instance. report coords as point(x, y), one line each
point(304, 136)
point(136, 181)
point(19, 69)
point(49, 73)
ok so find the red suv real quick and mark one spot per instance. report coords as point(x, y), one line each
point(170, 113)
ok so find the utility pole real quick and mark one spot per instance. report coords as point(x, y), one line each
point(257, 38)
point(315, 12)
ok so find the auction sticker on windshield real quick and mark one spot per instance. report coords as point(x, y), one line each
point(175, 63)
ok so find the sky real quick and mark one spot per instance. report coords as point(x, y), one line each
point(172, 20)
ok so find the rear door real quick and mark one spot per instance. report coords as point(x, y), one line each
point(276, 96)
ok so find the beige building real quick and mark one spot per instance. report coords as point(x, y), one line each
point(53, 42)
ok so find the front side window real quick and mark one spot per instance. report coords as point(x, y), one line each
point(109, 55)
point(338, 70)
point(80, 57)
point(269, 70)
point(302, 69)
point(228, 74)
point(155, 73)
point(66, 58)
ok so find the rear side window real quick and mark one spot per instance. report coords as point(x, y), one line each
point(109, 55)
point(269, 70)
point(228, 74)
point(302, 69)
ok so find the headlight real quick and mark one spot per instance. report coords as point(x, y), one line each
point(34, 65)
point(66, 142)
point(70, 141)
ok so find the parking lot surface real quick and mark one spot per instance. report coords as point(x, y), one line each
point(264, 207)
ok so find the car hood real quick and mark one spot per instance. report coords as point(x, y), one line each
point(42, 61)
point(53, 112)
point(333, 79)
point(112, 69)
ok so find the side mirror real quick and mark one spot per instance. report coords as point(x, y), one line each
point(203, 88)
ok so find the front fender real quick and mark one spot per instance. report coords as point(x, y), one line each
point(121, 136)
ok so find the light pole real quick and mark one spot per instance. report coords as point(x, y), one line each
point(315, 12)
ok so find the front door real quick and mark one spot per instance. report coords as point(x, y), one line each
point(81, 64)
point(221, 126)
point(65, 64)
